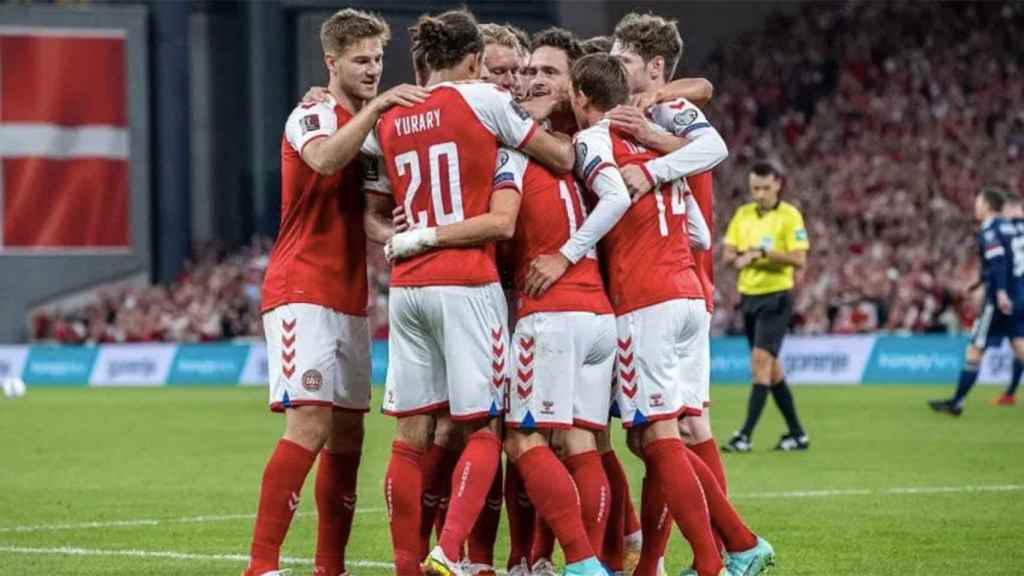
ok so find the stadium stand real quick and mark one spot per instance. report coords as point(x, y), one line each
point(886, 116)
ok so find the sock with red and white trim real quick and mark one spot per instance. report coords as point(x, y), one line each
point(471, 482)
point(403, 492)
point(335, 507)
point(594, 493)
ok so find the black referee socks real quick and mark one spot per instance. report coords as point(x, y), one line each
point(784, 400)
point(758, 396)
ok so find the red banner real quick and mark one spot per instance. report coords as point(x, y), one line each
point(63, 140)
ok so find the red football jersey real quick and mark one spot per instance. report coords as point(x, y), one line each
point(647, 254)
point(702, 187)
point(438, 161)
point(552, 209)
point(320, 253)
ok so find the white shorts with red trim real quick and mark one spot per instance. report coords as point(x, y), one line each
point(317, 356)
point(447, 346)
point(662, 356)
point(563, 364)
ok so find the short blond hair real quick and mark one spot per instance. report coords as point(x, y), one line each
point(348, 26)
point(500, 35)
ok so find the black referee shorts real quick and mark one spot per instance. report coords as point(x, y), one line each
point(766, 319)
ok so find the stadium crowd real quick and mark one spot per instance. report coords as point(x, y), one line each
point(887, 118)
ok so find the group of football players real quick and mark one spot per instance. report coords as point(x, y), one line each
point(579, 169)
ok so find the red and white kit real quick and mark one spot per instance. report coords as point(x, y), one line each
point(682, 118)
point(564, 341)
point(448, 341)
point(653, 285)
point(315, 289)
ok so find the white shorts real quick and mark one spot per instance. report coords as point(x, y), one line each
point(563, 370)
point(662, 359)
point(317, 356)
point(448, 346)
point(705, 384)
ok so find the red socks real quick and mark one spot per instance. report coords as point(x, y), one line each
point(335, 507)
point(520, 518)
point(471, 482)
point(403, 487)
point(594, 492)
point(669, 467)
point(553, 494)
point(279, 498)
point(709, 453)
point(617, 512)
point(485, 532)
point(632, 521)
point(437, 465)
point(543, 539)
point(735, 534)
point(656, 526)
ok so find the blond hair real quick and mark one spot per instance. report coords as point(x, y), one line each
point(500, 35)
point(348, 26)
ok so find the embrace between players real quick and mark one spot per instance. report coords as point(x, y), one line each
point(606, 238)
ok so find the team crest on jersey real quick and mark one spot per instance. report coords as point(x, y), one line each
point(309, 123)
point(519, 110)
point(503, 158)
point(312, 380)
point(685, 118)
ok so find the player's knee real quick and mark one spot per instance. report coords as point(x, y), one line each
point(347, 432)
point(604, 441)
point(695, 429)
point(415, 430)
point(578, 441)
point(447, 434)
point(308, 426)
point(518, 442)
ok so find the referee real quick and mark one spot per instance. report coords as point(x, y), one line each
point(766, 240)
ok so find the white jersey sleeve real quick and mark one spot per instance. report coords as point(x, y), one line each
point(509, 169)
point(696, 228)
point(705, 149)
point(595, 165)
point(679, 117)
point(499, 113)
point(371, 146)
point(308, 122)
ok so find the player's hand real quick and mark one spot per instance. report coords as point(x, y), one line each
point(399, 220)
point(316, 94)
point(632, 121)
point(744, 260)
point(636, 181)
point(544, 271)
point(1004, 302)
point(410, 243)
point(406, 95)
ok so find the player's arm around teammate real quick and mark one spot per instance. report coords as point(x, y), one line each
point(314, 298)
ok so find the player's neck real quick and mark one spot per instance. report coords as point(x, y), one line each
point(349, 103)
point(563, 121)
point(439, 76)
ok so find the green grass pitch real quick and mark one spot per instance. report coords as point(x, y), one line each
point(165, 481)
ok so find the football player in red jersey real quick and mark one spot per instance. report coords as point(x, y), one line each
point(448, 318)
point(314, 298)
point(660, 312)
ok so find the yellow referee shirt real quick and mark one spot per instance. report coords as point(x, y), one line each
point(781, 228)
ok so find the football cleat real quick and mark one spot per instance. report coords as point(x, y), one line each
point(478, 569)
point(437, 564)
point(791, 442)
point(751, 562)
point(692, 572)
point(521, 569)
point(1004, 399)
point(631, 555)
point(740, 442)
point(946, 406)
point(543, 567)
point(589, 567)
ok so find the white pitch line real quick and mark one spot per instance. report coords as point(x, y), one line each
point(902, 491)
point(171, 555)
point(151, 522)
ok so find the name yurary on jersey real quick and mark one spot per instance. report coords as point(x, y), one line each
point(421, 122)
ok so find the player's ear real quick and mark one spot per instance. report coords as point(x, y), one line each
point(330, 62)
point(656, 67)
